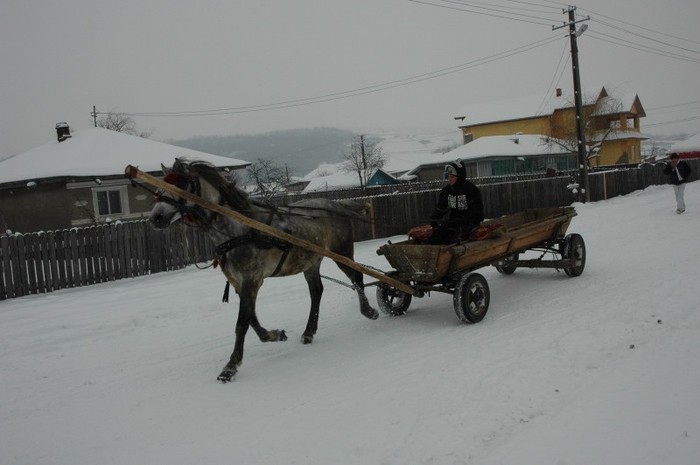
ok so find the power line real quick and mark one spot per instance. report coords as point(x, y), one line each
point(518, 16)
point(645, 37)
point(675, 105)
point(555, 78)
point(626, 43)
point(682, 120)
point(642, 27)
point(353, 92)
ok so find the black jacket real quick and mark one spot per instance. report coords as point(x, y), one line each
point(683, 170)
point(460, 204)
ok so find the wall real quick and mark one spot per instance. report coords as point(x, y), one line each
point(45, 206)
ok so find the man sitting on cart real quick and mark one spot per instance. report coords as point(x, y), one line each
point(459, 208)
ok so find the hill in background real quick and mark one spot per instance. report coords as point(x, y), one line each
point(299, 150)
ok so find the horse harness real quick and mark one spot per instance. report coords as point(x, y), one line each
point(257, 239)
point(195, 216)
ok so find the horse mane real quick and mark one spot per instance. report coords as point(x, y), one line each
point(231, 194)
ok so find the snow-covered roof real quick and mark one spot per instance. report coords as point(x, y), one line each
point(100, 152)
point(691, 144)
point(337, 180)
point(405, 151)
point(536, 105)
point(519, 145)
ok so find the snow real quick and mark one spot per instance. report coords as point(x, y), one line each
point(537, 105)
point(599, 369)
point(99, 152)
point(404, 151)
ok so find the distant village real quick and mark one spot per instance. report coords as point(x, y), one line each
point(77, 179)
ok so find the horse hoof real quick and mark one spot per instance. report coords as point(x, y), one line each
point(226, 376)
point(370, 313)
point(282, 336)
point(307, 339)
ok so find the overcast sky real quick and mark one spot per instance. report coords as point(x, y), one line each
point(356, 64)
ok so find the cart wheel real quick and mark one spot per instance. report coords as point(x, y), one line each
point(471, 298)
point(574, 247)
point(504, 267)
point(391, 300)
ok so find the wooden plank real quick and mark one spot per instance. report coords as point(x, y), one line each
point(6, 288)
point(19, 264)
point(143, 269)
point(53, 261)
point(45, 262)
point(89, 238)
point(82, 257)
point(30, 244)
point(304, 244)
point(74, 257)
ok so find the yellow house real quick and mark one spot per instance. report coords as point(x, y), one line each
point(612, 125)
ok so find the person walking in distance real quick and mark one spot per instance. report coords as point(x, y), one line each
point(678, 172)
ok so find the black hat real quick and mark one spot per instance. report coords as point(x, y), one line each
point(456, 169)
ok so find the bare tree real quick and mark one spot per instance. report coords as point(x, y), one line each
point(363, 158)
point(269, 179)
point(600, 121)
point(120, 122)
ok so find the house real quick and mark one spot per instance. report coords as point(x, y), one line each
point(689, 148)
point(78, 179)
point(612, 122)
point(500, 156)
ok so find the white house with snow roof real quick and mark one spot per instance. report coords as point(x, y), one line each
point(500, 156)
point(612, 121)
point(78, 179)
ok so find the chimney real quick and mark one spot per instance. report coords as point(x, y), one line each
point(558, 91)
point(62, 131)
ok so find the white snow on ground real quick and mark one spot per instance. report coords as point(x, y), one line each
point(598, 369)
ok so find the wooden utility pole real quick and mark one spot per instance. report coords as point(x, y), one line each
point(363, 181)
point(584, 194)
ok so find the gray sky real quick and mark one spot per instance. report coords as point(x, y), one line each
point(59, 58)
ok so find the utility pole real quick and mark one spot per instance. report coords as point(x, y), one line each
point(364, 161)
point(94, 114)
point(584, 194)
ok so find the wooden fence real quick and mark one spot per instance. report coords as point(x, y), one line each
point(48, 261)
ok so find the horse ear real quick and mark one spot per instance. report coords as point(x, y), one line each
point(165, 170)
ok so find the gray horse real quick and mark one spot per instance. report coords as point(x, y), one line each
point(247, 256)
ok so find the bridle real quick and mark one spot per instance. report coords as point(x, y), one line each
point(191, 214)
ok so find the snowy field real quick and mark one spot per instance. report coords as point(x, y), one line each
point(595, 370)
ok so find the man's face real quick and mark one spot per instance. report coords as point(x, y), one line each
point(452, 179)
point(674, 161)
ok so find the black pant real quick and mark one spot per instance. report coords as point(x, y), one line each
point(450, 234)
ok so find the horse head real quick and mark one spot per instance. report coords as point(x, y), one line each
point(199, 178)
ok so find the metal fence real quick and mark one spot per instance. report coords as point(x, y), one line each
point(48, 261)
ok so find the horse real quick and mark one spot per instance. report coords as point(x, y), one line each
point(247, 257)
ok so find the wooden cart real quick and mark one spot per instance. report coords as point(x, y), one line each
point(449, 268)
point(420, 269)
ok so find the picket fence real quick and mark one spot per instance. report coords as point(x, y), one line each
point(48, 261)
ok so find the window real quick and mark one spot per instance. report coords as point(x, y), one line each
point(110, 201)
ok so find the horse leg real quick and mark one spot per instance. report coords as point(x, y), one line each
point(313, 279)
point(248, 294)
point(357, 280)
point(265, 335)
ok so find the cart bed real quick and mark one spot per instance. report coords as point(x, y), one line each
point(519, 232)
